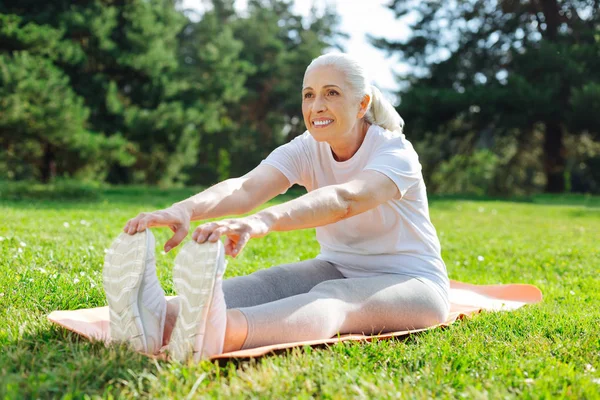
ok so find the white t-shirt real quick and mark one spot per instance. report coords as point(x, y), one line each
point(394, 237)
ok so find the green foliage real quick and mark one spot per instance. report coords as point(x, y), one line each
point(279, 44)
point(172, 145)
point(513, 68)
point(585, 102)
point(468, 174)
point(51, 256)
point(138, 92)
point(43, 122)
point(224, 165)
point(20, 33)
point(214, 76)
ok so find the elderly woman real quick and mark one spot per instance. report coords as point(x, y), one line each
point(379, 269)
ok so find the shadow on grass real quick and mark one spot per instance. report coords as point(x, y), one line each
point(52, 362)
point(151, 198)
point(581, 200)
point(156, 198)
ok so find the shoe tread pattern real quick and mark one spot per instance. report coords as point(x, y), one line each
point(122, 277)
point(194, 278)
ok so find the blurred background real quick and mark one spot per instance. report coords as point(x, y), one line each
point(500, 97)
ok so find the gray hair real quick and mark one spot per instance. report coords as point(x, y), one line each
point(379, 111)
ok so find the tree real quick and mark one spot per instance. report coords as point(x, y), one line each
point(504, 67)
point(119, 57)
point(247, 70)
point(279, 44)
point(43, 123)
point(134, 91)
point(214, 75)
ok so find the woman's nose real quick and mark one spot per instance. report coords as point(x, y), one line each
point(319, 105)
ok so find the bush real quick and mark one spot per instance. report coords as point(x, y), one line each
point(466, 174)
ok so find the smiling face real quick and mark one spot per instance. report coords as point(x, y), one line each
point(330, 109)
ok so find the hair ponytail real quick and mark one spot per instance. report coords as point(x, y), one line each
point(381, 112)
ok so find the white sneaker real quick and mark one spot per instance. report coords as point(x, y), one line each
point(198, 276)
point(136, 301)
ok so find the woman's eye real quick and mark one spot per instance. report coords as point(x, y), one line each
point(332, 93)
point(307, 95)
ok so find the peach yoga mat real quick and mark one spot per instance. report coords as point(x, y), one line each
point(465, 300)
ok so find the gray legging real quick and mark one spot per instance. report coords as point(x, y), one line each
point(312, 300)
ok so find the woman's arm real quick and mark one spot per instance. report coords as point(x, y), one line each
point(237, 195)
point(320, 207)
point(233, 196)
point(331, 203)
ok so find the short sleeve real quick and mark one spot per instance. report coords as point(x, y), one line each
point(399, 163)
point(292, 160)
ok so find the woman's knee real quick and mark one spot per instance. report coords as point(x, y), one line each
point(432, 313)
point(434, 317)
point(442, 313)
point(385, 303)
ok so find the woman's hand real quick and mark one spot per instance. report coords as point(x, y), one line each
point(238, 232)
point(177, 218)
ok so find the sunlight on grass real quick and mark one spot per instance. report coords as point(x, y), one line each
point(51, 256)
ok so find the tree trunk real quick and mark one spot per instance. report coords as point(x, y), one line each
point(554, 152)
point(551, 15)
point(48, 164)
point(554, 158)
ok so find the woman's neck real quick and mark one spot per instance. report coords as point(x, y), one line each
point(350, 143)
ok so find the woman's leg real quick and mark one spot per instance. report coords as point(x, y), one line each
point(271, 284)
point(268, 285)
point(370, 305)
point(263, 286)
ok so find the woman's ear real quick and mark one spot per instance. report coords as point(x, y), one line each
point(363, 106)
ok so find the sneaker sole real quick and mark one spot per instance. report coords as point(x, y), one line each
point(122, 275)
point(194, 277)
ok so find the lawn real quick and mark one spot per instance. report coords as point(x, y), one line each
point(51, 256)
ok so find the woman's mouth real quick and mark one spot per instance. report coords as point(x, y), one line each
point(322, 123)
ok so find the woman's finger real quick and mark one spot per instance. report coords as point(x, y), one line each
point(198, 232)
point(229, 246)
point(133, 226)
point(161, 218)
point(203, 231)
point(179, 235)
point(244, 238)
point(137, 224)
point(130, 224)
point(152, 220)
point(217, 233)
point(143, 223)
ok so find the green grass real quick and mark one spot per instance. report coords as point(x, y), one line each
point(542, 351)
